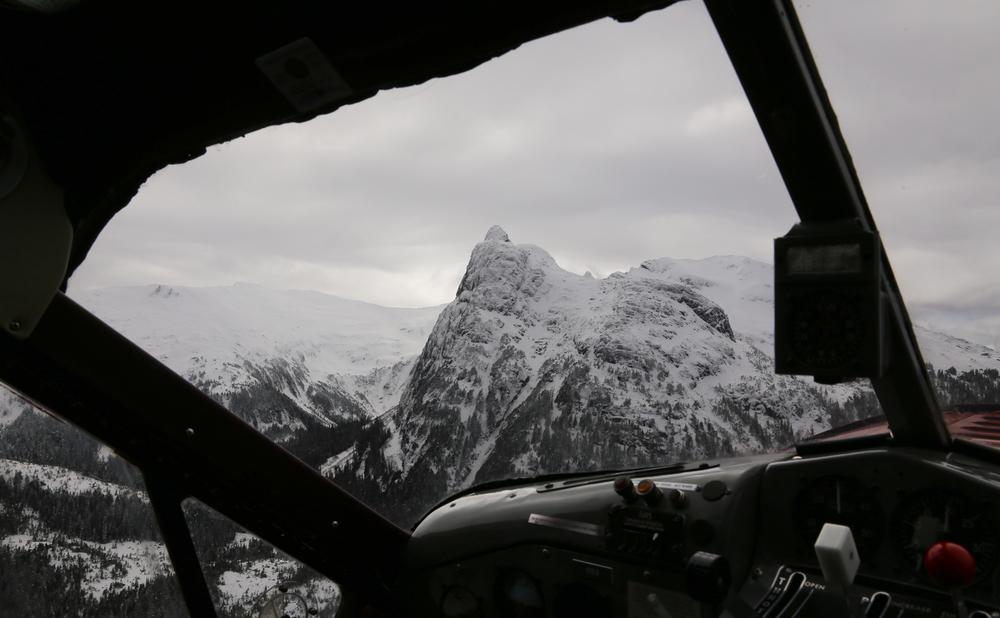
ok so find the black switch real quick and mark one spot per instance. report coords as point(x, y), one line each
point(708, 578)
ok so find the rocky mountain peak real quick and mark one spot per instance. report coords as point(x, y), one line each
point(501, 275)
point(496, 233)
point(532, 366)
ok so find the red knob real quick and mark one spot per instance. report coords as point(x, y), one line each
point(950, 565)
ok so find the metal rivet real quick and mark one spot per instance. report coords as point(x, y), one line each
point(189, 432)
point(15, 326)
point(458, 568)
point(335, 524)
point(756, 573)
point(646, 575)
point(545, 553)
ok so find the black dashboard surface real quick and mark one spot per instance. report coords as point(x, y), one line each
point(581, 549)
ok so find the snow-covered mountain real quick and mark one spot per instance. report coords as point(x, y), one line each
point(221, 336)
point(288, 362)
point(530, 370)
point(533, 370)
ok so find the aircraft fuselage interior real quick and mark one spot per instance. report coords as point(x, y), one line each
point(97, 95)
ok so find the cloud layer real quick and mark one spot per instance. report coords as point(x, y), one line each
point(607, 145)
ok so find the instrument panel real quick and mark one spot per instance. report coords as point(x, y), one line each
point(926, 517)
point(897, 504)
point(612, 546)
point(843, 500)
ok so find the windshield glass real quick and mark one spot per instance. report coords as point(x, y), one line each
point(587, 224)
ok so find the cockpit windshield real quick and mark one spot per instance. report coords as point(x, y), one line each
point(617, 312)
point(559, 262)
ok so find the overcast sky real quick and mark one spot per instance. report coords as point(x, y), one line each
point(606, 145)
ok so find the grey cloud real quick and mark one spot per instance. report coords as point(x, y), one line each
point(607, 145)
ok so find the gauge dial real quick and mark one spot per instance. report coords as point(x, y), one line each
point(843, 500)
point(936, 515)
point(459, 602)
point(518, 594)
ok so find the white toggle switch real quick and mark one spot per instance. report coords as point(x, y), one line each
point(837, 554)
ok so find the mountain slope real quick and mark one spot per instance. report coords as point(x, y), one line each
point(304, 368)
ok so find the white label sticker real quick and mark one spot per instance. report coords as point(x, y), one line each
point(680, 486)
point(303, 74)
point(566, 524)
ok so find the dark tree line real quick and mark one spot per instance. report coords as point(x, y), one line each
point(41, 439)
point(30, 587)
point(974, 386)
point(90, 516)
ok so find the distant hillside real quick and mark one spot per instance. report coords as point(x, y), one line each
point(306, 369)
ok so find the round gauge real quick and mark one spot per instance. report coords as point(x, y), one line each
point(826, 329)
point(936, 515)
point(519, 595)
point(459, 602)
point(842, 500)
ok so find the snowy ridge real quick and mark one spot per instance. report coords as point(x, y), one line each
point(61, 480)
point(533, 369)
point(331, 357)
point(222, 338)
point(245, 588)
point(944, 351)
point(180, 325)
point(107, 567)
point(744, 287)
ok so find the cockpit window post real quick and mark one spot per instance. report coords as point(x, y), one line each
point(166, 500)
point(769, 52)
